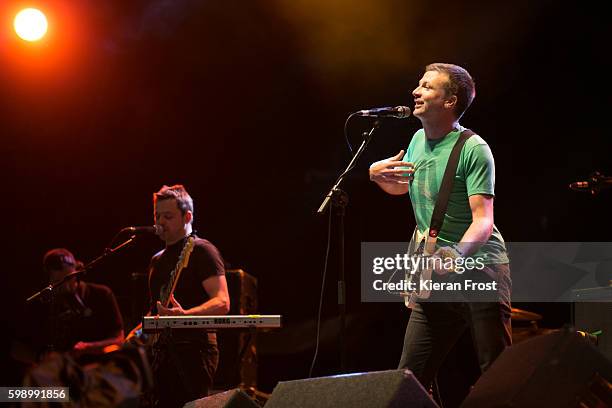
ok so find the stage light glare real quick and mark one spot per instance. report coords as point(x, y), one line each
point(30, 24)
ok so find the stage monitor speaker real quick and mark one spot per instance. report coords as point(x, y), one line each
point(561, 369)
point(381, 389)
point(229, 399)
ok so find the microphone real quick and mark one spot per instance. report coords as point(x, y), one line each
point(155, 229)
point(399, 112)
point(593, 185)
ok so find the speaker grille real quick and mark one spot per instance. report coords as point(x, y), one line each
point(393, 389)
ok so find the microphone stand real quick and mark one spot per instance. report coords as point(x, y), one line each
point(51, 287)
point(339, 201)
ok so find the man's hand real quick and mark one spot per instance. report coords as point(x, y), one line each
point(445, 260)
point(392, 170)
point(390, 176)
point(82, 346)
point(175, 310)
point(98, 346)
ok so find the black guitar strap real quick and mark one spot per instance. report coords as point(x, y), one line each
point(437, 217)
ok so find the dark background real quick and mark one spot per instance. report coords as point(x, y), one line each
point(244, 103)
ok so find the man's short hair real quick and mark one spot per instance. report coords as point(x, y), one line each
point(460, 84)
point(178, 193)
point(56, 259)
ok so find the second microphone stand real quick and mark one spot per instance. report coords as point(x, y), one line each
point(339, 201)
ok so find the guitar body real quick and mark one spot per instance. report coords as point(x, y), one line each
point(418, 292)
point(425, 247)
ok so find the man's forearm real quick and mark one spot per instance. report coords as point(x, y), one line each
point(100, 344)
point(476, 235)
point(215, 306)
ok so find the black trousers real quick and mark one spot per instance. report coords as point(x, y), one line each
point(184, 373)
point(434, 327)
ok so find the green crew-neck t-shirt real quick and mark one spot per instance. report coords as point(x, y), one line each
point(475, 175)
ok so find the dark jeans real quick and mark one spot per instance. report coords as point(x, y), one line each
point(434, 327)
point(187, 375)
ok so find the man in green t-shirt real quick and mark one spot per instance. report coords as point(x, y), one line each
point(442, 96)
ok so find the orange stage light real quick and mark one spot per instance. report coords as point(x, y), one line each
point(30, 24)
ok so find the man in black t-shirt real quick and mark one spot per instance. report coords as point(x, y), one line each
point(80, 317)
point(185, 360)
